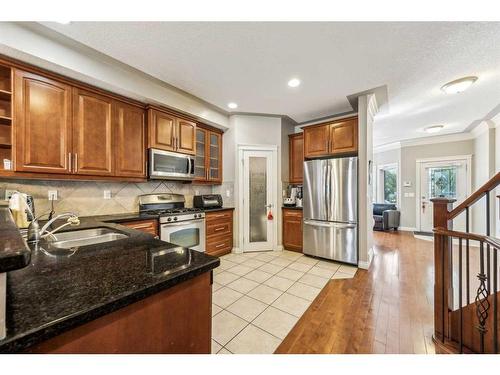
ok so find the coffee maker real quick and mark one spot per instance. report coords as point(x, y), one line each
point(293, 196)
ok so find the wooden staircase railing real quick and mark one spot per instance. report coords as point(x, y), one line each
point(467, 278)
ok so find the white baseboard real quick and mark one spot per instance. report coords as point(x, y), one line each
point(407, 229)
point(279, 248)
point(237, 250)
point(366, 264)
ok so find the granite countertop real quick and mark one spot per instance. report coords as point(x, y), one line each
point(14, 253)
point(292, 208)
point(56, 293)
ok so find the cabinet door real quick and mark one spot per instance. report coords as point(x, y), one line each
point(129, 140)
point(92, 134)
point(292, 230)
point(344, 137)
point(296, 164)
point(186, 137)
point(215, 161)
point(316, 141)
point(200, 160)
point(43, 124)
point(161, 127)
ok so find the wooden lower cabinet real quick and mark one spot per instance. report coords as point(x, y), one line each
point(148, 226)
point(292, 229)
point(177, 320)
point(219, 232)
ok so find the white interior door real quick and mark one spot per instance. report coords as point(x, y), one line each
point(447, 179)
point(259, 199)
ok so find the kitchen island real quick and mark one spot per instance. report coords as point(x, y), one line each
point(132, 295)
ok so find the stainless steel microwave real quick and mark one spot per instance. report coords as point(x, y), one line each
point(170, 165)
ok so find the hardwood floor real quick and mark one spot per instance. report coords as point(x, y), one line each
point(387, 309)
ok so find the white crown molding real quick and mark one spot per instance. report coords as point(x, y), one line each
point(483, 127)
point(387, 147)
point(454, 137)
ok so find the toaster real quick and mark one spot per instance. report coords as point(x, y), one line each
point(207, 201)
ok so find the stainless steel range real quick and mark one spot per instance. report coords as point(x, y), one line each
point(178, 225)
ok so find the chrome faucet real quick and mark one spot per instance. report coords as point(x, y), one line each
point(35, 233)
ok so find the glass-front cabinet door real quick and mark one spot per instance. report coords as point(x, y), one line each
point(200, 161)
point(208, 161)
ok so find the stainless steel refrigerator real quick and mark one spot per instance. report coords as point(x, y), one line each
point(330, 209)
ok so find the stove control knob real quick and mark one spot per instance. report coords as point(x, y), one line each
point(169, 219)
point(175, 218)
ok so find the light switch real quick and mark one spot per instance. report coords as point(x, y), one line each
point(411, 194)
point(228, 193)
point(107, 194)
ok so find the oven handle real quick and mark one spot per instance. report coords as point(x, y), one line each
point(178, 223)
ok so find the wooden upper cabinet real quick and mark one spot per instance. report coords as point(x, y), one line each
point(43, 124)
point(161, 128)
point(344, 137)
point(129, 140)
point(296, 158)
point(92, 133)
point(208, 157)
point(316, 141)
point(186, 136)
point(337, 138)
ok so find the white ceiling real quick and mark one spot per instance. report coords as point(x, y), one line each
point(250, 64)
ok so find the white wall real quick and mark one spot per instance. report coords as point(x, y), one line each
point(367, 108)
point(55, 52)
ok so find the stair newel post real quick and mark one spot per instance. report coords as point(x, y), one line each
point(442, 270)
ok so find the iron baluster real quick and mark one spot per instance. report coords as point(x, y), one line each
point(481, 301)
point(467, 269)
point(460, 292)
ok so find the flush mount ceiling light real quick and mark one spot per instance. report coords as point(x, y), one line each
point(232, 105)
point(458, 85)
point(434, 128)
point(294, 82)
point(64, 22)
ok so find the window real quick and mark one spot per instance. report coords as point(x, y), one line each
point(387, 184)
point(443, 182)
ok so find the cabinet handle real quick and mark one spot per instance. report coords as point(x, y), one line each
point(218, 229)
point(76, 163)
point(70, 166)
point(220, 245)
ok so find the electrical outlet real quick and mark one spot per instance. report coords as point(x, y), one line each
point(228, 193)
point(196, 192)
point(52, 195)
point(8, 194)
point(107, 194)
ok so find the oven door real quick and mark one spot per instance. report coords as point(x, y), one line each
point(170, 165)
point(190, 234)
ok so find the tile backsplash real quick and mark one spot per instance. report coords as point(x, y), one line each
point(86, 198)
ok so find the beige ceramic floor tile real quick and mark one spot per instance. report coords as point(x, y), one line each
point(304, 291)
point(265, 294)
point(240, 270)
point(225, 326)
point(302, 267)
point(226, 264)
point(275, 321)
point(307, 260)
point(253, 340)
point(322, 272)
point(271, 268)
point(292, 255)
point(348, 269)
point(291, 304)
point(215, 347)
point(225, 277)
point(290, 274)
point(253, 263)
point(224, 351)
point(216, 286)
point(341, 275)
point(215, 309)
point(247, 308)
point(243, 285)
point(258, 276)
point(283, 262)
point(313, 280)
point(225, 296)
point(328, 265)
point(264, 257)
point(279, 283)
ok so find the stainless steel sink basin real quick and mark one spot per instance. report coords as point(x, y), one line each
point(84, 237)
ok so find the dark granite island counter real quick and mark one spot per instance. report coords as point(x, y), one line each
point(132, 295)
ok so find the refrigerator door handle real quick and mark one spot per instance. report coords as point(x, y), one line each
point(315, 223)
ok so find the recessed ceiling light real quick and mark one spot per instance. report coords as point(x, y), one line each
point(64, 22)
point(232, 105)
point(434, 128)
point(294, 82)
point(459, 85)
